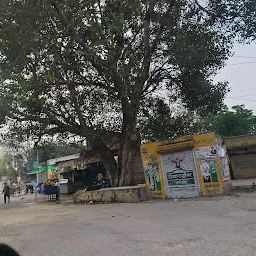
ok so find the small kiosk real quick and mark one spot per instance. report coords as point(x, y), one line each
point(192, 166)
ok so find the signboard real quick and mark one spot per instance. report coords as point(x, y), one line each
point(152, 174)
point(225, 172)
point(206, 152)
point(180, 174)
point(208, 170)
point(208, 158)
point(41, 169)
point(180, 178)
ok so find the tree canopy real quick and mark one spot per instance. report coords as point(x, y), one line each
point(163, 123)
point(88, 68)
point(234, 122)
point(17, 158)
point(11, 166)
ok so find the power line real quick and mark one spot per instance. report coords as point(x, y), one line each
point(236, 98)
point(246, 95)
point(242, 63)
point(245, 57)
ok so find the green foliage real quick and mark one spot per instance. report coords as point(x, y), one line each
point(19, 155)
point(239, 121)
point(50, 150)
point(238, 17)
point(11, 167)
point(164, 123)
point(86, 68)
point(63, 62)
point(4, 167)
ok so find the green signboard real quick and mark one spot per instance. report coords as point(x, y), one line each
point(42, 169)
point(180, 178)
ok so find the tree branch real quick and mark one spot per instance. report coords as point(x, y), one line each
point(163, 24)
point(153, 77)
point(96, 61)
point(76, 105)
point(147, 48)
point(123, 54)
point(211, 14)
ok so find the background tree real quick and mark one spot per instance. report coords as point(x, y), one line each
point(164, 123)
point(11, 167)
point(86, 68)
point(238, 121)
point(4, 166)
point(51, 150)
point(18, 157)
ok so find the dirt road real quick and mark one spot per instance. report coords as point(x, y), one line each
point(196, 228)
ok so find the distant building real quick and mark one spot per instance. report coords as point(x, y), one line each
point(242, 153)
point(80, 171)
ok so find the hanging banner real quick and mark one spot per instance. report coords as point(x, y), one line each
point(42, 169)
point(225, 172)
point(206, 152)
point(152, 174)
point(207, 157)
point(209, 161)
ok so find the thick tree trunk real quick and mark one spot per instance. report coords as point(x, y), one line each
point(121, 173)
point(108, 160)
point(129, 146)
point(111, 167)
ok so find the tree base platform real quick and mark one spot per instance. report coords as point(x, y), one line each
point(134, 194)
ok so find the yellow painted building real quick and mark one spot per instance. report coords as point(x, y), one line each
point(242, 153)
point(186, 167)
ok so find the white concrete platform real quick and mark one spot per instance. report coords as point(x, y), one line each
point(133, 194)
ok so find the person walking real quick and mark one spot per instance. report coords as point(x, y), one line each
point(19, 189)
point(6, 192)
point(57, 184)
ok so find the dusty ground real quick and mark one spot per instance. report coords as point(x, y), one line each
point(243, 182)
point(196, 228)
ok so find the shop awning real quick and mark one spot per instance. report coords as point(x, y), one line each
point(42, 169)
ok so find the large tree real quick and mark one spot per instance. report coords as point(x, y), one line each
point(234, 122)
point(87, 68)
point(164, 123)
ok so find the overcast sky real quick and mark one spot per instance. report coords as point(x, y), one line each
point(240, 72)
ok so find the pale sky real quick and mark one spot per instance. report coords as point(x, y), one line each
point(240, 72)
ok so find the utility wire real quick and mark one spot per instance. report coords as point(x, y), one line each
point(245, 57)
point(236, 98)
point(246, 95)
point(241, 63)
